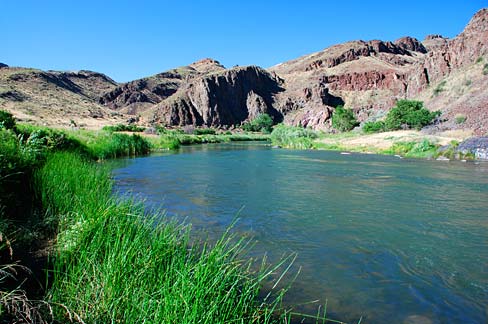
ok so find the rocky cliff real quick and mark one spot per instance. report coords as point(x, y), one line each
point(222, 98)
point(137, 96)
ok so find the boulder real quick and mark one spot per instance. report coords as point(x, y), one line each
point(478, 146)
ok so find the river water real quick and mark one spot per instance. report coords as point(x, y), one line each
point(380, 238)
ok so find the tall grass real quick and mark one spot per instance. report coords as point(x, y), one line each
point(173, 139)
point(293, 137)
point(115, 264)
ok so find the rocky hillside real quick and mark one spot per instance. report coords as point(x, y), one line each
point(56, 98)
point(450, 75)
point(137, 96)
point(370, 76)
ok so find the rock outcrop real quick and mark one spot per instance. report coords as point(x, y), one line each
point(478, 146)
point(224, 98)
point(370, 76)
point(137, 96)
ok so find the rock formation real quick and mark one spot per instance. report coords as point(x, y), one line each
point(222, 98)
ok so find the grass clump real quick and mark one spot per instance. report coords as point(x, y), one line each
point(460, 118)
point(123, 128)
point(293, 137)
point(106, 145)
point(424, 149)
point(485, 69)
point(204, 131)
point(343, 119)
point(440, 88)
point(116, 264)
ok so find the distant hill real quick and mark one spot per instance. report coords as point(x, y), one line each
point(450, 75)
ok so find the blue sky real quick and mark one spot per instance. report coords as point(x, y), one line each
point(132, 39)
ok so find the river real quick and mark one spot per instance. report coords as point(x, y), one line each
point(380, 238)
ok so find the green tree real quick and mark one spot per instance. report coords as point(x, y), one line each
point(262, 123)
point(343, 119)
point(410, 114)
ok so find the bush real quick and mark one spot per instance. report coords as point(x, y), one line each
point(485, 69)
point(374, 127)
point(7, 120)
point(262, 123)
point(409, 114)
point(343, 119)
point(460, 118)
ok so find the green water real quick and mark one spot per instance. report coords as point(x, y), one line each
point(386, 239)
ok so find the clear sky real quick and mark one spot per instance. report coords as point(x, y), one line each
point(132, 39)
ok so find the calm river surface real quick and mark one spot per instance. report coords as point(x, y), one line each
point(391, 240)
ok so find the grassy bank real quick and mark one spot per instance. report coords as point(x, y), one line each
point(108, 260)
point(173, 139)
point(115, 264)
point(411, 144)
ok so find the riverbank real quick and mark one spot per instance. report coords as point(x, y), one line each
point(107, 260)
point(405, 143)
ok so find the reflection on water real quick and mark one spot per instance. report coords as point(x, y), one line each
point(387, 239)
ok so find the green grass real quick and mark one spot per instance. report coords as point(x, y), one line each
point(424, 149)
point(293, 137)
point(123, 128)
point(174, 139)
point(116, 264)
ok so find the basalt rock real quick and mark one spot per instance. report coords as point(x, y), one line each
point(139, 95)
point(370, 76)
point(478, 146)
point(225, 98)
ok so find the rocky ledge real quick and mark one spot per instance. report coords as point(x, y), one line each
point(478, 146)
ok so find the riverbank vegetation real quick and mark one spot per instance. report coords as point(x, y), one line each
point(107, 259)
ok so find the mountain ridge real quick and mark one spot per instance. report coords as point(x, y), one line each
point(367, 76)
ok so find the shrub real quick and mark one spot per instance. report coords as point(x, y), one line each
point(439, 88)
point(374, 127)
point(460, 118)
point(409, 114)
point(7, 120)
point(343, 119)
point(262, 123)
point(485, 69)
